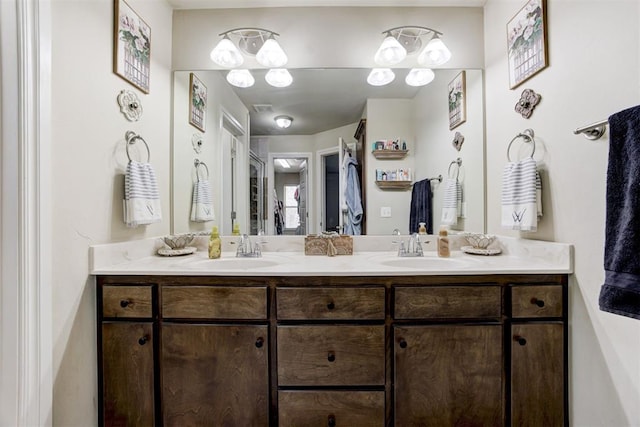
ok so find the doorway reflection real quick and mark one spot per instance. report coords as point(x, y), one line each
point(290, 196)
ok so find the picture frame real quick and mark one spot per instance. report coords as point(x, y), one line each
point(527, 42)
point(457, 100)
point(131, 46)
point(197, 102)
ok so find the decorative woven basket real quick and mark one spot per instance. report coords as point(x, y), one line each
point(316, 245)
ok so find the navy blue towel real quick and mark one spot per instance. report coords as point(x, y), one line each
point(620, 293)
point(421, 210)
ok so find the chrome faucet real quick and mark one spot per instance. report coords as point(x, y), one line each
point(412, 248)
point(248, 249)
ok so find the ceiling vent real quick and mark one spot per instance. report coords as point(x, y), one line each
point(263, 108)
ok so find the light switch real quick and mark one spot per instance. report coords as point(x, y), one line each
point(385, 212)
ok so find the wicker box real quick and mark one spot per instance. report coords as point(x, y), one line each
point(317, 245)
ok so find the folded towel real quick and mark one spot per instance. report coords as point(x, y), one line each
point(520, 195)
point(620, 293)
point(202, 202)
point(452, 203)
point(421, 210)
point(141, 195)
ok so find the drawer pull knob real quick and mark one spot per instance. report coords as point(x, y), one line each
point(520, 340)
point(143, 340)
point(538, 302)
point(331, 421)
point(331, 357)
point(403, 343)
point(124, 303)
point(259, 342)
point(331, 305)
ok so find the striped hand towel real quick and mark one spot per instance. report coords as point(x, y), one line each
point(451, 205)
point(141, 195)
point(202, 202)
point(521, 201)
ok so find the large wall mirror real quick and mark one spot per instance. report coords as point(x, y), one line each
point(286, 180)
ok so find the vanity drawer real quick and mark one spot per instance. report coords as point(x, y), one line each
point(536, 301)
point(214, 302)
point(331, 355)
point(330, 303)
point(127, 301)
point(447, 302)
point(326, 408)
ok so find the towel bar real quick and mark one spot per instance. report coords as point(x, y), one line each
point(594, 130)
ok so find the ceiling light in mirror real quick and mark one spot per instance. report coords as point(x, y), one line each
point(283, 163)
point(419, 77)
point(390, 52)
point(271, 54)
point(278, 77)
point(240, 78)
point(380, 76)
point(435, 53)
point(283, 122)
point(226, 54)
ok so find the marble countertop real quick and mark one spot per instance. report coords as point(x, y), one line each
point(285, 257)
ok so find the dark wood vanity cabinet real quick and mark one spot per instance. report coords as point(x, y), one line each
point(333, 351)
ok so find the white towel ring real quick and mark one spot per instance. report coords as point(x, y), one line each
point(131, 137)
point(197, 163)
point(458, 162)
point(527, 135)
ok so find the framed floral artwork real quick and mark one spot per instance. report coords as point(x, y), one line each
point(457, 101)
point(197, 102)
point(527, 42)
point(132, 46)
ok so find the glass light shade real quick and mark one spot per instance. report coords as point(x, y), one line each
point(240, 78)
point(226, 54)
point(419, 76)
point(435, 53)
point(278, 77)
point(380, 76)
point(390, 52)
point(283, 122)
point(271, 54)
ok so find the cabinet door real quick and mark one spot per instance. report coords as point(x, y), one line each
point(215, 375)
point(127, 372)
point(537, 374)
point(448, 375)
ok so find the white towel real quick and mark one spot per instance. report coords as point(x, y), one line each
point(452, 203)
point(202, 202)
point(141, 195)
point(521, 195)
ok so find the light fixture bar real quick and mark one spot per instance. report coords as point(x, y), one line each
point(240, 30)
point(410, 27)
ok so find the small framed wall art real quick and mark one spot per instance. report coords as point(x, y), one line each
point(131, 47)
point(457, 101)
point(527, 42)
point(197, 102)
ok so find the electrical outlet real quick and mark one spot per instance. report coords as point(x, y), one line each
point(385, 212)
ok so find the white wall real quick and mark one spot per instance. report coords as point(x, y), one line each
point(326, 37)
point(88, 164)
point(434, 150)
point(594, 53)
point(388, 119)
point(220, 99)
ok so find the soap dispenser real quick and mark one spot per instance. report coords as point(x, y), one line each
point(236, 229)
point(215, 244)
point(443, 243)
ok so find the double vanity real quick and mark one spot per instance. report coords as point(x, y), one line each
point(370, 339)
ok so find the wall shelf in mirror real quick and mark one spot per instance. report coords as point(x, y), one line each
point(394, 185)
point(390, 154)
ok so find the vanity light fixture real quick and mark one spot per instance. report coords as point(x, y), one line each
point(251, 41)
point(278, 77)
point(283, 122)
point(380, 76)
point(240, 78)
point(399, 43)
